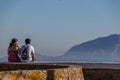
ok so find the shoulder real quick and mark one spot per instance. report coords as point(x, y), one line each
point(24, 46)
point(10, 48)
point(30, 46)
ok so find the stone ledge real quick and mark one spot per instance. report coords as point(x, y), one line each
point(37, 71)
point(29, 66)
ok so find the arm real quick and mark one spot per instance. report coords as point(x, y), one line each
point(17, 49)
point(33, 56)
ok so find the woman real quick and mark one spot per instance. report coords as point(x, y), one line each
point(13, 51)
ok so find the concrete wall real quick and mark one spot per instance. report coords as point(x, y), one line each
point(101, 74)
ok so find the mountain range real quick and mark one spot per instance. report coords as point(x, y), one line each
point(101, 49)
point(98, 50)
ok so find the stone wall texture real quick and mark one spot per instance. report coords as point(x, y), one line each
point(59, 73)
point(23, 75)
point(69, 74)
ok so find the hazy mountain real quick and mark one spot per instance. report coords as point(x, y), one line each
point(40, 57)
point(4, 59)
point(100, 49)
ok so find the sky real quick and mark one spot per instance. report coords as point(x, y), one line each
point(55, 26)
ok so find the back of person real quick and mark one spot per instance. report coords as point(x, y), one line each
point(28, 50)
point(13, 56)
point(13, 51)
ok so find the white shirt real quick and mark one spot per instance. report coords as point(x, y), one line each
point(30, 51)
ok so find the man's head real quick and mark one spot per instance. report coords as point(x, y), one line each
point(27, 41)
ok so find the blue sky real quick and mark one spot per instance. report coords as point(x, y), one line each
point(56, 25)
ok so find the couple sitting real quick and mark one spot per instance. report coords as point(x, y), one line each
point(24, 54)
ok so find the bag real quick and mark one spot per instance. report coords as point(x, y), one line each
point(24, 54)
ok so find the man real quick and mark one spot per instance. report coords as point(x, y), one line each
point(27, 49)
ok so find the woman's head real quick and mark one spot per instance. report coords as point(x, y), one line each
point(13, 42)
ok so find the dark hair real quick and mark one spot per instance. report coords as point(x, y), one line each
point(27, 41)
point(13, 41)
